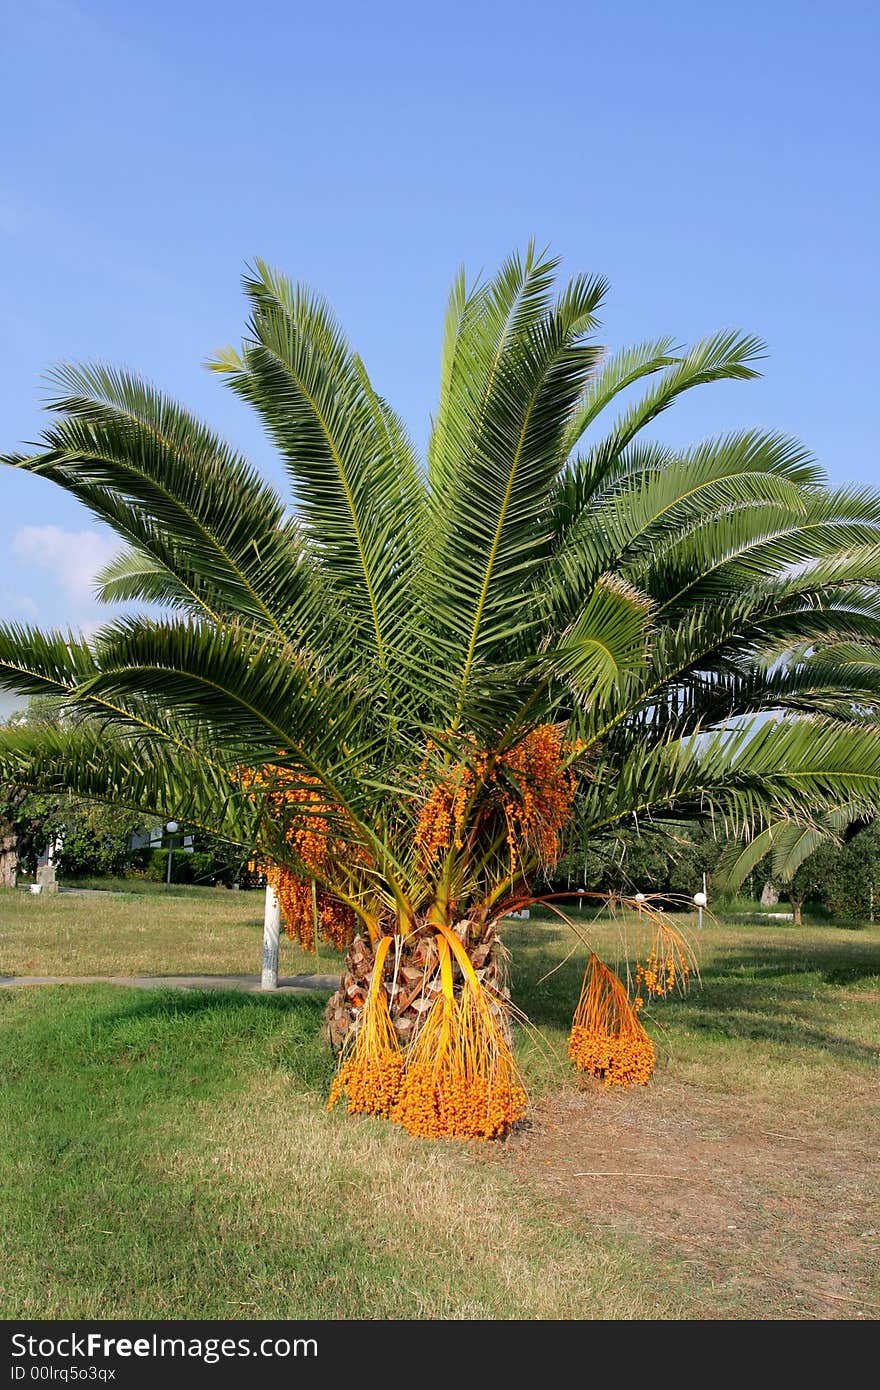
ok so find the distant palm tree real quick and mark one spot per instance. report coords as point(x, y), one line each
point(411, 687)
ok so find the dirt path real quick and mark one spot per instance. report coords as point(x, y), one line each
point(785, 1222)
point(291, 984)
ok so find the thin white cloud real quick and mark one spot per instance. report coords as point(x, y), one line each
point(20, 606)
point(74, 557)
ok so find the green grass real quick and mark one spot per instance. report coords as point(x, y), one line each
point(201, 931)
point(169, 1154)
point(134, 887)
point(803, 998)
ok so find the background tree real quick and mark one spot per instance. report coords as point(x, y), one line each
point(91, 838)
point(850, 886)
point(628, 861)
point(26, 819)
point(95, 839)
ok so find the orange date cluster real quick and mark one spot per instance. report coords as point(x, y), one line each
point(529, 785)
point(607, 1040)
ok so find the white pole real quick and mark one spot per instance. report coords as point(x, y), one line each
point(271, 931)
point(700, 899)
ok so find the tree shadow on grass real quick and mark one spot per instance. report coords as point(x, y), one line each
point(281, 1032)
point(109, 1095)
point(834, 963)
point(789, 1031)
point(219, 1038)
point(192, 1001)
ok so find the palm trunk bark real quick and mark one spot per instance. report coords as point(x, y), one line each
point(411, 971)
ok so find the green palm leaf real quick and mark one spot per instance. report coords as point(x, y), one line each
point(357, 487)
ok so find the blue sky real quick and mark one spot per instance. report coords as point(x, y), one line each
point(718, 163)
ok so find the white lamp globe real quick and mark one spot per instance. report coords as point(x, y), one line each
point(172, 827)
point(700, 899)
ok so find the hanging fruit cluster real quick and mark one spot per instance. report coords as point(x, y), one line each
point(529, 784)
point(309, 910)
point(457, 1078)
point(372, 1072)
point(607, 1040)
point(666, 966)
point(307, 907)
point(461, 1080)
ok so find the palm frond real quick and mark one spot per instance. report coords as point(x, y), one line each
point(664, 496)
point(606, 641)
point(745, 776)
point(725, 356)
point(149, 468)
point(789, 843)
point(524, 365)
point(358, 491)
point(159, 780)
point(621, 371)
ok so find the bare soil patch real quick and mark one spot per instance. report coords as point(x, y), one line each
point(772, 1213)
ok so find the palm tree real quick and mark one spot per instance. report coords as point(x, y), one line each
point(406, 691)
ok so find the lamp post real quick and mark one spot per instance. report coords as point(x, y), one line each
point(172, 828)
point(581, 892)
point(700, 899)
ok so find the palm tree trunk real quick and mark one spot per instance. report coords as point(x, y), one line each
point(411, 975)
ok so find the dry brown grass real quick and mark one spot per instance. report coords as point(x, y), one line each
point(750, 1161)
point(456, 1239)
